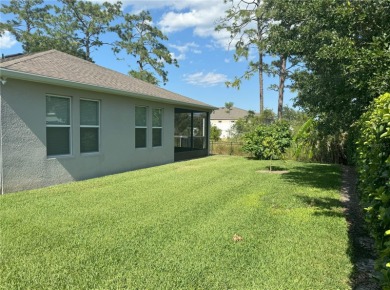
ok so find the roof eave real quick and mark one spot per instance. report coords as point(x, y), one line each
point(66, 83)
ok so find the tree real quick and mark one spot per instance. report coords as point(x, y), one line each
point(84, 23)
point(283, 32)
point(247, 24)
point(28, 24)
point(294, 116)
point(268, 141)
point(344, 46)
point(251, 121)
point(229, 106)
point(144, 42)
point(78, 27)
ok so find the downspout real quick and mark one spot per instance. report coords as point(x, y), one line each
point(3, 80)
point(1, 145)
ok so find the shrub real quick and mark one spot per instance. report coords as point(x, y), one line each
point(268, 141)
point(215, 133)
point(373, 163)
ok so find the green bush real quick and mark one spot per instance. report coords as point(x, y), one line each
point(373, 163)
point(215, 133)
point(268, 141)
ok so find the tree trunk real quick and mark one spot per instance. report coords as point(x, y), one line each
point(261, 83)
point(87, 48)
point(282, 79)
point(261, 55)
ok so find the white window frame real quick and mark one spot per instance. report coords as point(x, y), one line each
point(154, 127)
point(141, 127)
point(91, 126)
point(62, 126)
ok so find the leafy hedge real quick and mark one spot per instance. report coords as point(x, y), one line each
point(373, 164)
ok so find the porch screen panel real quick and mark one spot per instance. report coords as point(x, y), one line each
point(183, 124)
point(200, 130)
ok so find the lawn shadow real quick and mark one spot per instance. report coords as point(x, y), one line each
point(326, 206)
point(322, 176)
point(274, 168)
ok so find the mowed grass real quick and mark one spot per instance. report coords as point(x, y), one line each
point(171, 227)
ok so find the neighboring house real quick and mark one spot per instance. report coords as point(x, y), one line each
point(64, 119)
point(224, 119)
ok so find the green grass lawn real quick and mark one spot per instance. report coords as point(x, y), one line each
point(171, 227)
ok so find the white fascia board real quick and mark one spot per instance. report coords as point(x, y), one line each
point(65, 83)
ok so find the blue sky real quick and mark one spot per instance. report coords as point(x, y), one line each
point(205, 61)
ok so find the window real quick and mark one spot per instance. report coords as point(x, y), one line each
point(140, 127)
point(89, 126)
point(157, 127)
point(57, 125)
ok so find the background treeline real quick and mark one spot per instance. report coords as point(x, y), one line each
point(80, 27)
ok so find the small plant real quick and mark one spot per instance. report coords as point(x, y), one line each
point(268, 142)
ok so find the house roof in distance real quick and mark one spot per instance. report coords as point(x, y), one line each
point(224, 114)
point(55, 67)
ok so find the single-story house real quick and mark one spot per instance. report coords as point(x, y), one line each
point(224, 119)
point(65, 119)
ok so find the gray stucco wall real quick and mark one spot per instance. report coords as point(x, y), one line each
point(23, 121)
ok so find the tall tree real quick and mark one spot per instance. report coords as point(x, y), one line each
point(139, 38)
point(28, 23)
point(345, 48)
point(247, 23)
point(78, 27)
point(285, 20)
point(74, 27)
point(85, 22)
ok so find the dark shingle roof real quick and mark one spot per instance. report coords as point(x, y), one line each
point(57, 65)
point(224, 114)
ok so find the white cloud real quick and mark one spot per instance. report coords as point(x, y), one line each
point(201, 16)
point(184, 49)
point(180, 56)
point(7, 40)
point(174, 21)
point(171, 4)
point(227, 60)
point(205, 80)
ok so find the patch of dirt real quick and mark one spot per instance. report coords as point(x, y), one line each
point(273, 171)
point(361, 244)
point(237, 238)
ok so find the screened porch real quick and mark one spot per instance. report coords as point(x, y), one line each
point(191, 134)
